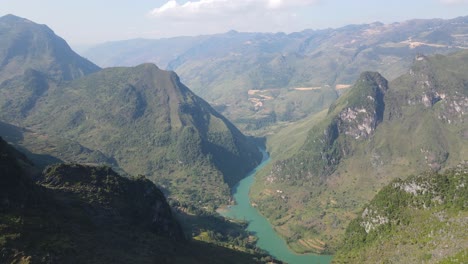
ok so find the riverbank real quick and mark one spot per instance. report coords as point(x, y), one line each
point(268, 239)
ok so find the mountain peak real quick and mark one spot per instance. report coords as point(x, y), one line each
point(377, 24)
point(375, 78)
point(232, 32)
point(149, 65)
point(28, 45)
point(13, 18)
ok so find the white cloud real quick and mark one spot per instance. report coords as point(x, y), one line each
point(196, 17)
point(215, 8)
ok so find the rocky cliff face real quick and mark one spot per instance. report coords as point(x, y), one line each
point(435, 84)
point(353, 118)
point(360, 118)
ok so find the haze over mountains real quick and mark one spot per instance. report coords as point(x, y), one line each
point(228, 69)
point(339, 136)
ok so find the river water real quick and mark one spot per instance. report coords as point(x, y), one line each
point(268, 239)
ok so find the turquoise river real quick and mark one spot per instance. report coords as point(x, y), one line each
point(268, 239)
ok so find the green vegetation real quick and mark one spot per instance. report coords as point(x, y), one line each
point(45, 150)
point(325, 168)
point(412, 221)
point(48, 53)
point(141, 120)
point(225, 69)
point(77, 213)
point(150, 124)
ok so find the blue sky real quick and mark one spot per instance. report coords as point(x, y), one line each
point(87, 22)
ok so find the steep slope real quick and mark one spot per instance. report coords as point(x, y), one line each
point(253, 77)
point(33, 60)
point(16, 173)
point(336, 162)
point(26, 45)
point(82, 214)
point(417, 220)
point(151, 124)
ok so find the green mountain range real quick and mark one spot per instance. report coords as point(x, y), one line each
point(58, 107)
point(150, 124)
point(84, 214)
point(338, 180)
point(141, 119)
point(328, 166)
point(262, 79)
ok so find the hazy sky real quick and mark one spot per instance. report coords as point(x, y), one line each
point(94, 21)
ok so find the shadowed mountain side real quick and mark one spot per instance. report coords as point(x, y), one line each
point(77, 214)
point(45, 150)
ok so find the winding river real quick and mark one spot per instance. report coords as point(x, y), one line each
point(268, 239)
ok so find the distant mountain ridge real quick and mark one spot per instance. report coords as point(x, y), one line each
point(253, 78)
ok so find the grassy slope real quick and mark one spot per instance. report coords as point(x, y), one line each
point(413, 138)
point(417, 220)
